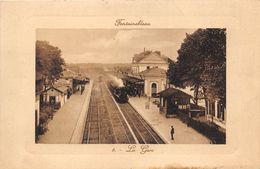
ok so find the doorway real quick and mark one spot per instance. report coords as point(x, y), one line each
point(52, 100)
point(154, 89)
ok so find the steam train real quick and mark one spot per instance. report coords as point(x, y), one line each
point(118, 92)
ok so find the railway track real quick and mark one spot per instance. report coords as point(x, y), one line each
point(142, 130)
point(104, 123)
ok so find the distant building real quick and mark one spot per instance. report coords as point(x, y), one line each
point(151, 67)
point(63, 82)
point(74, 80)
point(70, 76)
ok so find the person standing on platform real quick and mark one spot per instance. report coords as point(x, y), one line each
point(172, 132)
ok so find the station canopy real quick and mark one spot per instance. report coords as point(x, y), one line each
point(173, 91)
point(133, 79)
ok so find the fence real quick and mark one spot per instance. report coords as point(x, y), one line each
point(210, 130)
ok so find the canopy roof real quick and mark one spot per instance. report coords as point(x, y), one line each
point(133, 79)
point(173, 91)
point(61, 82)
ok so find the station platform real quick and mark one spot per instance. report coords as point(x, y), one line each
point(67, 126)
point(162, 125)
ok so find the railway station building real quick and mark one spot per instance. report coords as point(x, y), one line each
point(151, 68)
point(55, 96)
point(154, 81)
point(148, 59)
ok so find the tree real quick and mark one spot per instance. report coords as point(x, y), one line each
point(48, 60)
point(201, 64)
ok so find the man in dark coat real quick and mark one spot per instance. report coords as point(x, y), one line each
point(172, 132)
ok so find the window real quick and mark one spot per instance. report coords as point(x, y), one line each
point(182, 107)
point(153, 85)
point(148, 67)
point(153, 89)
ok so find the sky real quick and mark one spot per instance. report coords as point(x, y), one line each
point(112, 45)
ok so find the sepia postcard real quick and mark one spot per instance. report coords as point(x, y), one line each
point(93, 83)
point(127, 84)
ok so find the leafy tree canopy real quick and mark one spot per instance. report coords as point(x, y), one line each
point(201, 64)
point(48, 60)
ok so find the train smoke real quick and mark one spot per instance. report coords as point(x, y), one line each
point(116, 81)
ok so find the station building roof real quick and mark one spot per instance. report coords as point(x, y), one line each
point(61, 89)
point(62, 82)
point(139, 57)
point(154, 72)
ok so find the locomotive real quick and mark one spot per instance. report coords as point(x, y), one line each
point(118, 92)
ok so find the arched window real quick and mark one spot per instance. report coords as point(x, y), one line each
point(153, 85)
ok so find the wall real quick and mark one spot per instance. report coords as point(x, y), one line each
point(161, 82)
point(61, 99)
point(58, 96)
point(136, 68)
point(163, 108)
